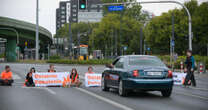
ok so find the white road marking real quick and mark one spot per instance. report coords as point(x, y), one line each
point(192, 95)
point(15, 76)
point(203, 89)
point(42, 88)
point(105, 99)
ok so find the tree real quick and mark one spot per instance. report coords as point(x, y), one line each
point(158, 30)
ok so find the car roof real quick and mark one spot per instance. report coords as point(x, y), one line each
point(137, 56)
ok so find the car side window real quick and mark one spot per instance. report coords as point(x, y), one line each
point(120, 63)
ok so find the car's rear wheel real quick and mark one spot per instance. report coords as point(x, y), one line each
point(103, 84)
point(121, 89)
point(166, 92)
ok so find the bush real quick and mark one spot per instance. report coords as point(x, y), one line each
point(55, 57)
point(91, 62)
point(2, 55)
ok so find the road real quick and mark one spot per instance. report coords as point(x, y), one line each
point(18, 97)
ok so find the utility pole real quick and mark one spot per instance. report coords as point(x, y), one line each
point(141, 39)
point(173, 41)
point(207, 49)
point(70, 38)
point(37, 32)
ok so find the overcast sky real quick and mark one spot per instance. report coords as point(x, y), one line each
point(26, 10)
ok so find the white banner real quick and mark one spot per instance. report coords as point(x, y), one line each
point(92, 80)
point(178, 78)
point(51, 79)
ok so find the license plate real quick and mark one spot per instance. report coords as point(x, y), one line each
point(154, 73)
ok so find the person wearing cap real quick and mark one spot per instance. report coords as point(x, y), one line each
point(189, 68)
point(6, 77)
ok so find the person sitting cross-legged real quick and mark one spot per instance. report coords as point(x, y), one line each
point(6, 77)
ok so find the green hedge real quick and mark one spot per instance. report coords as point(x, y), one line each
point(2, 55)
point(55, 57)
point(91, 62)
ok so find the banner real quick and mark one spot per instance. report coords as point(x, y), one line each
point(92, 80)
point(178, 78)
point(44, 79)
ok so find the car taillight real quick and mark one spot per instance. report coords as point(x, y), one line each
point(135, 73)
point(170, 74)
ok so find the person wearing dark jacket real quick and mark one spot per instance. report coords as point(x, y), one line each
point(189, 68)
point(29, 79)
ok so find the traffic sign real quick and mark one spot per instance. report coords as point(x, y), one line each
point(116, 8)
point(148, 48)
point(172, 43)
point(125, 48)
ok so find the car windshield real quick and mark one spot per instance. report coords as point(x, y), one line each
point(145, 61)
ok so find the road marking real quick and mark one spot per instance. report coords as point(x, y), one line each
point(203, 89)
point(42, 88)
point(192, 95)
point(105, 99)
point(15, 76)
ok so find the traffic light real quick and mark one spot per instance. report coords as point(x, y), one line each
point(82, 4)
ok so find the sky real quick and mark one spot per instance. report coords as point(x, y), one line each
point(26, 10)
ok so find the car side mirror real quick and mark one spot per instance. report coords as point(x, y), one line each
point(109, 66)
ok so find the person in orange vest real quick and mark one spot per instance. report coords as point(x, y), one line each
point(90, 70)
point(51, 68)
point(74, 77)
point(29, 79)
point(6, 77)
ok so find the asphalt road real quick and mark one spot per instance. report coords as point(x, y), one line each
point(18, 97)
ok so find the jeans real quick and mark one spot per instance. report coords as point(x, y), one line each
point(6, 82)
point(190, 76)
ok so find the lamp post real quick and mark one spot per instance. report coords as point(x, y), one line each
point(37, 32)
point(168, 1)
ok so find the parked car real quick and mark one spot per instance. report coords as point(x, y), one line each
point(137, 72)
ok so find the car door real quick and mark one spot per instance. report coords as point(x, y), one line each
point(117, 71)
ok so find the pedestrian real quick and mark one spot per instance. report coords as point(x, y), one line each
point(90, 70)
point(6, 77)
point(189, 68)
point(51, 68)
point(29, 79)
point(74, 77)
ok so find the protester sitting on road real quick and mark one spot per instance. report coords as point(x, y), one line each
point(6, 77)
point(51, 68)
point(90, 70)
point(74, 77)
point(190, 65)
point(29, 79)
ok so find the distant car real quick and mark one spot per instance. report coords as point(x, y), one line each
point(137, 72)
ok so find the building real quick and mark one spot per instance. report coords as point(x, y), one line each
point(62, 14)
point(93, 12)
point(69, 11)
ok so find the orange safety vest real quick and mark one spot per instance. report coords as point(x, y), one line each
point(73, 80)
point(6, 75)
point(51, 71)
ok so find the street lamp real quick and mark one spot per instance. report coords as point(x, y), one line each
point(37, 33)
point(150, 2)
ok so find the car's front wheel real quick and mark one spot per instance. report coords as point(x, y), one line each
point(121, 89)
point(166, 93)
point(104, 85)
